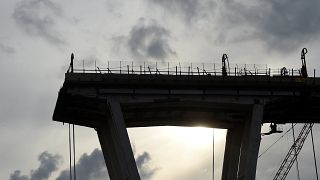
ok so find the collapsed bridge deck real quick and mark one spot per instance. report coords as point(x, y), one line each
point(183, 100)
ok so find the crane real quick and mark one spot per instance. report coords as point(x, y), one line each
point(293, 152)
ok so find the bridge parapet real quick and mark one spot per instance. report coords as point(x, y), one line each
point(181, 68)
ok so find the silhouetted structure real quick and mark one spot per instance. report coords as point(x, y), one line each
point(112, 101)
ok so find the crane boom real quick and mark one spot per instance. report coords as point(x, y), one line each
point(293, 153)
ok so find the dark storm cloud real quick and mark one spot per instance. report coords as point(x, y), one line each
point(149, 40)
point(48, 164)
point(286, 24)
point(189, 10)
point(7, 49)
point(90, 166)
point(146, 40)
point(38, 18)
point(93, 167)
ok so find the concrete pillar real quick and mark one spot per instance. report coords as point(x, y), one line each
point(250, 144)
point(232, 153)
point(116, 147)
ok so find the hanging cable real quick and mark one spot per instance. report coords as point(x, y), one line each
point(314, 155)
point(212, 153)
point(266, 150)
point(70, 168)
point(295, 151)
point(74, 154)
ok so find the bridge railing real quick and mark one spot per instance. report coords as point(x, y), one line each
point(181, 68)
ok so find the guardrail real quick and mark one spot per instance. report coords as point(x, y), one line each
point(182, 68)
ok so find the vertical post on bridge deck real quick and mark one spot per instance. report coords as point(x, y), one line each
point(132, 67)
point(83, 66)
point(202, 69)
point(115, 145)
point(266, 69)
point(191, 69)
point(108, 67)
point(314, 76)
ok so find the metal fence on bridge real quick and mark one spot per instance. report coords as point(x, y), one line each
point(180, 68)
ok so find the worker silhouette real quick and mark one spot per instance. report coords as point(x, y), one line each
point(71, 63)
point(273, 129)
point(224, 66)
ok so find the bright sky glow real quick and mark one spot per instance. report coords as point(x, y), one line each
point(197, 137)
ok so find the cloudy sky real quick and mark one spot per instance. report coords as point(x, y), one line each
point(38, 36)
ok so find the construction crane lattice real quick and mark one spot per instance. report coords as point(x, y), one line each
point(293, 152)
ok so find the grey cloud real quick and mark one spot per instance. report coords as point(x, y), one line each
point(149, 40)
point(48, 164)
point(284, 25)
point(93, 167)
point(7, 49)
point(142, 162)
point(143, 158)
point(90, 166)
point(113, 6)
point(189, 10)
point(17, 176)
point(38, 18)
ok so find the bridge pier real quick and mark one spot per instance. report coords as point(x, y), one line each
point(242, 148)
point(232, 153)
point(116, 147)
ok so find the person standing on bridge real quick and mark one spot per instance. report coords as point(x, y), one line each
point(71, 63)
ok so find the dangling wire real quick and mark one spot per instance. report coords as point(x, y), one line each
point(212, 153)
point(74, 154)
point(314, 155)
point(70, 166)
point(295, 151)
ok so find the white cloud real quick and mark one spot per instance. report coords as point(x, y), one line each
point(38, 18)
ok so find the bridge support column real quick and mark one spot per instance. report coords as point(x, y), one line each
point(116, 147)
point(250, 144)
point(232, 153)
